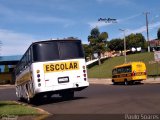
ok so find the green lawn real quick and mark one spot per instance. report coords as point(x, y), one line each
point(13, 108)
point(105, 69)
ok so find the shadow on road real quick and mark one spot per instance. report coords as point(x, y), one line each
point(51, 100)
point(129, 84)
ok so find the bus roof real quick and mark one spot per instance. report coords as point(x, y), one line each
point(127, 64)
point(52, 40)
point(55, 40)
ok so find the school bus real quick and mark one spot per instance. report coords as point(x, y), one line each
point(51, 67)
point(129, 73)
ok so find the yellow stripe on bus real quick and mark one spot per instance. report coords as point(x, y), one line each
point(61, 66)
point(25, 78)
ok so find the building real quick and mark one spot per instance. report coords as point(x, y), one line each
point(155, 44)
point(7, 64)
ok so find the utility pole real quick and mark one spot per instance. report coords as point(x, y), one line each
point(125, 59)
point(146, 14)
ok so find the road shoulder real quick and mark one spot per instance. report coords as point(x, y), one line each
point(109, 81)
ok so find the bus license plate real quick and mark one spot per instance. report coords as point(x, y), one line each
point(63, 79)
point(140, 73)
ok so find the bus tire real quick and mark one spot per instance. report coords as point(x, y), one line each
point(133, 82)
point(29, 100)
point(32, 100)
point(114, 83)
point(126, 82)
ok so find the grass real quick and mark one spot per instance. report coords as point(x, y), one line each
point(105, 69)
point(14, 108)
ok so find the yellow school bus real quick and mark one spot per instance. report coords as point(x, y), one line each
point(129, 73)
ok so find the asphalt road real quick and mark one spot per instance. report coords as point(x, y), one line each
point(102, 99)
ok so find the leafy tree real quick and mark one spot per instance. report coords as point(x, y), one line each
point(116, 44)
point(88, 51)
point(158, 33)
point(132, 40)
point(135, 40)
point(97, 41)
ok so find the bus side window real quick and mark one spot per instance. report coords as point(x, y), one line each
point(119, 70)
point(29, 56)
point(126, 69)
point(123, 70)
point(114, 71)
point(129, 69)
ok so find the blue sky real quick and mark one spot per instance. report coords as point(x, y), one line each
point(25, 21)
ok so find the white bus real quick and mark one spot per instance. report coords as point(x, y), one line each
point(51, 67)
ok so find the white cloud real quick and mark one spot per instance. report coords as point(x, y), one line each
point(14, 43)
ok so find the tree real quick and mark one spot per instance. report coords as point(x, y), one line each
point(97, 41)
point(135, 40)
point(116, 44)
point(88, 51)
point(158, 33)
point(132, 40)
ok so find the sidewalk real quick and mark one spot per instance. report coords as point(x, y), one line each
point(7, 86)
point(109, 81)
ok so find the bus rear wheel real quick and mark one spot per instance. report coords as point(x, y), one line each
point(114, 83)
point(126, 82)
point(30, 100)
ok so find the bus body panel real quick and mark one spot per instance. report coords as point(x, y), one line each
point(50, 81)
point(24, 83)
point(140, 71)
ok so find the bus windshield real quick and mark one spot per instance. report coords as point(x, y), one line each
point(57, 51)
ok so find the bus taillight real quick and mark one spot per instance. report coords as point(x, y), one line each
point(84, 67)
point(38, 78)
point(38, 71)
point(84, 73)
point(133, 73)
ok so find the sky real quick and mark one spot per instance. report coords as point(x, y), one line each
point(25, 21)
